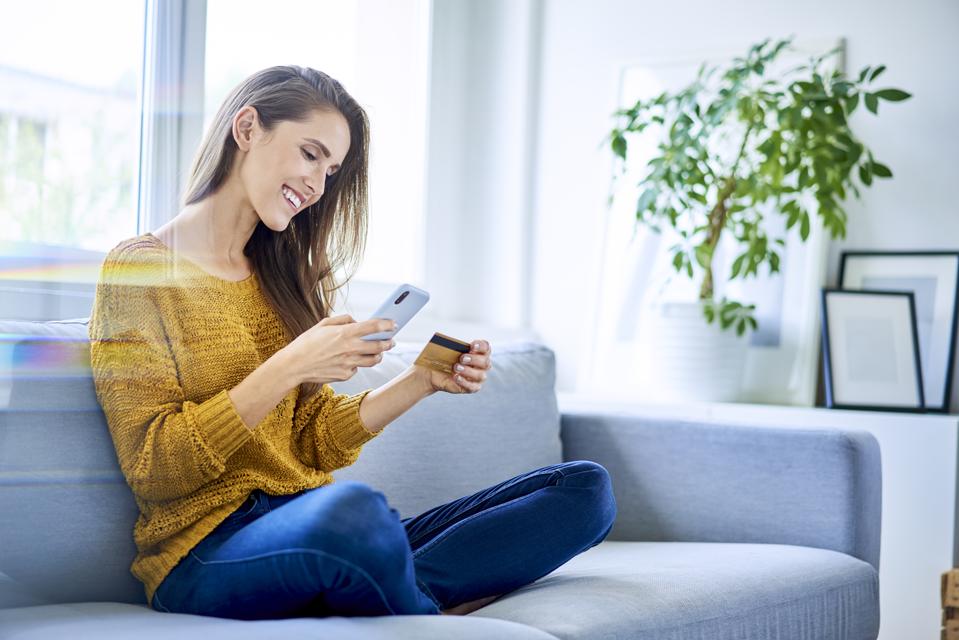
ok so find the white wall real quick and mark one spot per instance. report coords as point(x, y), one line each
point(584, 46)
point(484, 87)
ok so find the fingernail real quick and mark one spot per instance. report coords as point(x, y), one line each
point(476, 345)
point(466, 359)
point(459, 367)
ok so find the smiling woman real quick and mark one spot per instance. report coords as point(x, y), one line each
point(380, 50)
point(203, 353)
point(266, 142)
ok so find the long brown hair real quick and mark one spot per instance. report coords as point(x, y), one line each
point(296, 267)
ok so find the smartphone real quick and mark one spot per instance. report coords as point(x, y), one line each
point(405, 301)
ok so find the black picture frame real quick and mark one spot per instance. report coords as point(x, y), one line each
point(828, 357)
point(938, 402)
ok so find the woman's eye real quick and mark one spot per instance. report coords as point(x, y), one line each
point(309, 156)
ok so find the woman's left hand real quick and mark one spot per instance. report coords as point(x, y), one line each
point(468, 374)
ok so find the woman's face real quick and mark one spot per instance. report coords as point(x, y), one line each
point(285, 172)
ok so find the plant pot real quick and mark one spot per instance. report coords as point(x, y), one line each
point(687, 359)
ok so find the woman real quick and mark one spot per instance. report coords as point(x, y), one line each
point(212, 347)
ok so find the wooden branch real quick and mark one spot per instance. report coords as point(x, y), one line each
point(717, 220)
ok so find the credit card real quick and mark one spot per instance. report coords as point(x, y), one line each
point(442, 352)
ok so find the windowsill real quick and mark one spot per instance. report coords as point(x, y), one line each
point(771, 414)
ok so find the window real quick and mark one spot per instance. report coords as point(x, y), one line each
point(77, 120)
point(69, 124)
point(378, 50)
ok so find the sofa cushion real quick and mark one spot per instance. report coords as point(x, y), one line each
point(112, 621)
point(452, 445)
point(67, 529)
point(720, 591)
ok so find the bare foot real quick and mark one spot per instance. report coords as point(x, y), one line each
point(469, 607)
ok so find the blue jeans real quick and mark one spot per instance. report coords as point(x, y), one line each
point(341, 550)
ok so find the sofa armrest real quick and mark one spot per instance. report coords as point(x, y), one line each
point(685, 481)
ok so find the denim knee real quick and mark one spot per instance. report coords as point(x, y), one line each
point(593, 476)
point(369, 530)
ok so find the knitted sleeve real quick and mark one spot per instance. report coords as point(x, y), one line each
point(327, 431)
point(167, 446)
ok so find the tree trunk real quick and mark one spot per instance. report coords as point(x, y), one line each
point(717, 221)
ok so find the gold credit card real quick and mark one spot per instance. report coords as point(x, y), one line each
point(442, 352)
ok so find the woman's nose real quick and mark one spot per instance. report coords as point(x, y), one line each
point(316, 186)
point(312, 194)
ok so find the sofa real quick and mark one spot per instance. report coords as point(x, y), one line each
point(722, 532)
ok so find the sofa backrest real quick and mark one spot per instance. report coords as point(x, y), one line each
point(451, 445)
point(67, 529)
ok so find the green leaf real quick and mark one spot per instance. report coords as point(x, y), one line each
point(737, 266)
point(842, 87)
point(804, 226)
point(792, 219)
point(893, 95)
point(872, 102)
point(703, 255)
point(875, 74)
point(863, 74)
point(646, 200)
point(865, 175)
point(852, 102)
point(880, 170)
point(678, 261)
point(619, 146)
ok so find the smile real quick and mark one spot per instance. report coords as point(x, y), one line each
point(292, 198)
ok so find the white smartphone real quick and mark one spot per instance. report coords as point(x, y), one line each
point(405, 301)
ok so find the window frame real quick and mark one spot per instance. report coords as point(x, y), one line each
point(171, 110)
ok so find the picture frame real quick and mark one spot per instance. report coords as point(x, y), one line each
point(933, 278)
point(870, 351)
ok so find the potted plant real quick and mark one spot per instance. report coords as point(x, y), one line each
point(743, 144)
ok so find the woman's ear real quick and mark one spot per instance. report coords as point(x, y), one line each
point(245, 125)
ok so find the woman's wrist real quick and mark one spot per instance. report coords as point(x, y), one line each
point(385, 404)
point(419, 377)
point(286, 367)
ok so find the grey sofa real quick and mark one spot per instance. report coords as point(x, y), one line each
point(722, 532)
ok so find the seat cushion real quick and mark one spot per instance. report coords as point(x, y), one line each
point(681, 590)
point(112, 621)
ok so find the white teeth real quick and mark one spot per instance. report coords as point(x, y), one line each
point(292, 197)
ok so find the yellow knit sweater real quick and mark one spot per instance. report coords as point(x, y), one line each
point(167, 341)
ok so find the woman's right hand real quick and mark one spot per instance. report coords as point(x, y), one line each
point(332, 349)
